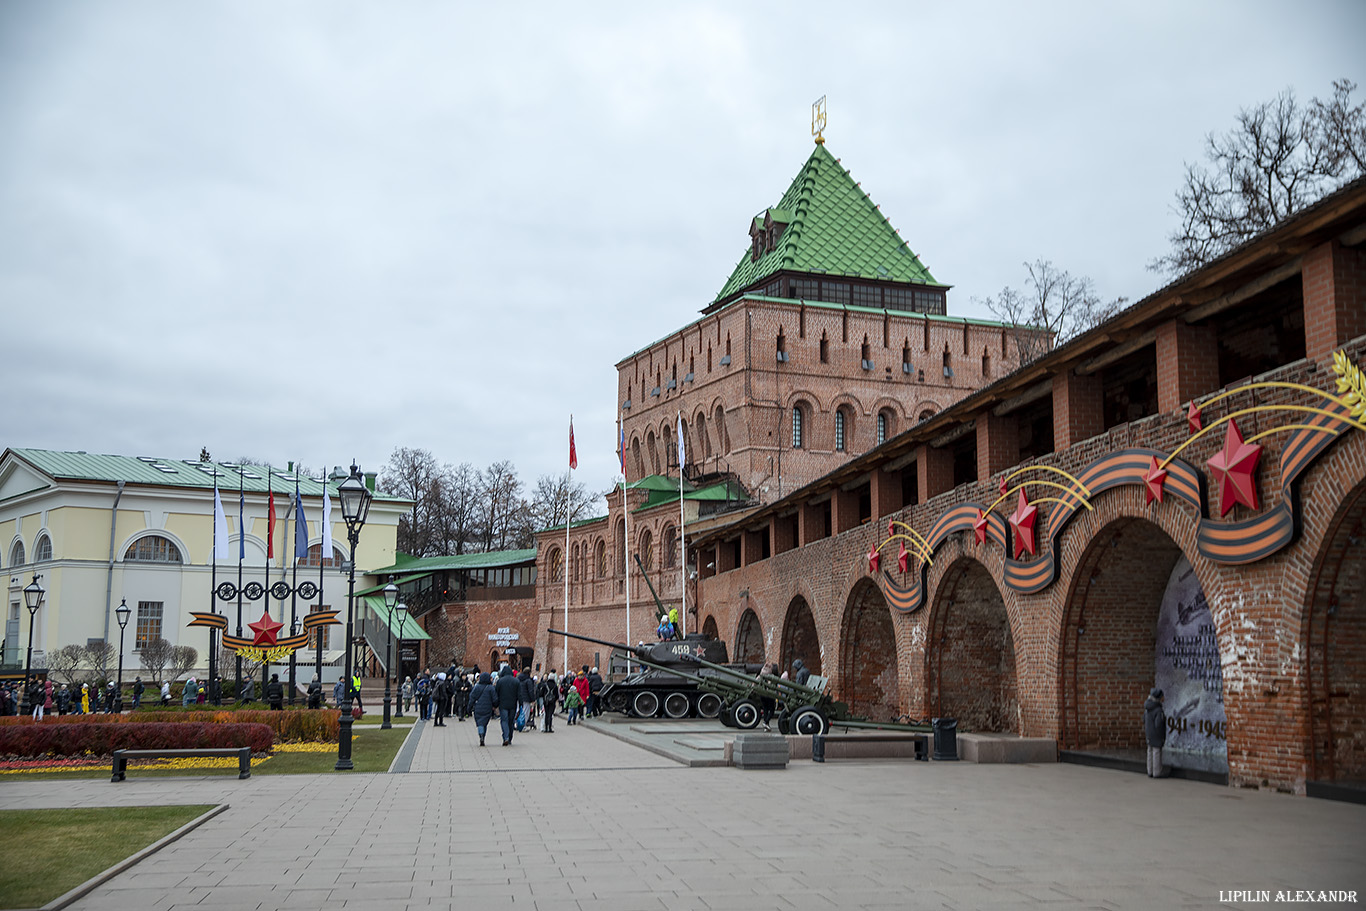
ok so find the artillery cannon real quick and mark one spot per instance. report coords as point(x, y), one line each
point(665, 685)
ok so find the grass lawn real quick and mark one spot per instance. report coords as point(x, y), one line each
point(57, 850)
point(371, 751)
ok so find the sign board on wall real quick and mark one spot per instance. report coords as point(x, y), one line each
point(1190, 675)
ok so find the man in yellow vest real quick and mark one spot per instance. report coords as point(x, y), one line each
point(673, 618)
point(355, 693)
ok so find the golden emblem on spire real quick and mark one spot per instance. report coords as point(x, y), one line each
point(818, 120)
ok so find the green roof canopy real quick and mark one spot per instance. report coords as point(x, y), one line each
point(412, 566)
point(833, 228)
point(411, 628)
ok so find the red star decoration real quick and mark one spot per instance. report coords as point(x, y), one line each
point(1193, 417)
point(902, 557)
point(1003, 487)
point(1022, 523)
point(873, 559)
point(891, 529)
point(1235, 467)
point(1154, 480)
point(700, 651)
point(979, 528)
point(265, 629)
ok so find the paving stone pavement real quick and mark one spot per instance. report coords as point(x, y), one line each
point(578, 820)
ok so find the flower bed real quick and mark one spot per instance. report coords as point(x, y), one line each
point(304, 725)
point(80, 740)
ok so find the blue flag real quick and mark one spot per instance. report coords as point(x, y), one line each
point(300, 527)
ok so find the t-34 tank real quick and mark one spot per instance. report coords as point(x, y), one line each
point(653, 692)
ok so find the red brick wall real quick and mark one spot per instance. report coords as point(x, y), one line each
point(1334, 284)
point(971, 654)
point(870, 682)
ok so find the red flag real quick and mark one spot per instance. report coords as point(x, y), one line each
point(270, 530)
point(573, 454)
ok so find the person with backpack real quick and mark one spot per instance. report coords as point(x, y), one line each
point(549, 693)
point(482, 704)
point(424, 706)
point(594, 693)
point(275, 693)
point(572, 703)
point(526, 697)
point(439, 701)
point(665, 630)
point(507, 694)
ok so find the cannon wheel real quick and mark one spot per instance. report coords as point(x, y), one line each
point(676, 705)
point(727, 716)
point(783, 726)
point(746, 714)
point(618, 701)
point(708, 705)
point(807, 721)
point(646, 704)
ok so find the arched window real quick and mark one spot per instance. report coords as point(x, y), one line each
point(671, 547)
point(884, 426)
point(556, 565)
point(647, 550)
point(986, 364)
point(574, 563)
point(602, 559)
point(719, 425)
point(16, 554)
point(796, 426)
point(42, 551)
point(621, 544)
point(839, 430)
point(653, 452)
point(315, 556)
point(152, 549)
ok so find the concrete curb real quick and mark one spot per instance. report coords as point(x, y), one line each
point(403, 759)
point(98, 879)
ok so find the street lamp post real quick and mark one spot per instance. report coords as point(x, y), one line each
point(123, 610)
point(390, 599)
point(402, 610)
point(33, 599)
point(355, 504)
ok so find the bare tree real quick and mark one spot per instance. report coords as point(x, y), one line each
point(98, 655)
point(548, 501)
point(182, 659)
point(416, 475)
point(227, 663)
point(65, 663)
point(1055, 303)
point(1279, 158)
point(506, 516)
point(154, 656)
point(458, 522)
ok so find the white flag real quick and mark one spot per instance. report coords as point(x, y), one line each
point(220, 528)
point(326, 550)
point(682, 452)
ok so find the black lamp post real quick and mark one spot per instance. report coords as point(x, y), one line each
point(390, 599)
point(33, 599)
point(123, 610)
point(402, 610)
point(355, 504)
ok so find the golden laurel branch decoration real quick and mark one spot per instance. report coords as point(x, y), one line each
point(1351, 382)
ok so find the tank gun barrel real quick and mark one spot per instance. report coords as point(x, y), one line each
point(622, 646)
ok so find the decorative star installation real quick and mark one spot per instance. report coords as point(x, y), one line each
point(1154, 481)
point(1193, 417)
point(1022, 523)
point(903, 557)
point(979, 527)
point(874, 558)
point(1235, 467)
point(265, 630)
point(1002, 487)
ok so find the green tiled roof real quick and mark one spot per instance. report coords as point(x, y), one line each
point(491, 559)
point(833, 228)
point(85, 466)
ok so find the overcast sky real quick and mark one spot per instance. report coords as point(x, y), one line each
point(323, 230)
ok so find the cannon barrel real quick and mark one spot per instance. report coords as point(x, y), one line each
point(620, 646)
point(791, 686)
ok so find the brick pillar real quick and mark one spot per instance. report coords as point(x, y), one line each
point(725, 557)
point(752, 547)
point(934, 472)
point(1077, 409)
point(998, 443)
point(783, 533)
point(811, 520)
point(1187, 363)
point(844, 510)
point(1334, 299)
point(886, 492)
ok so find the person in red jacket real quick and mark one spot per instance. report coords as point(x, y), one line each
point(581, 684)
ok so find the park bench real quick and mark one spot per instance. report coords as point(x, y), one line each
point(243, 755)
point(921, 741)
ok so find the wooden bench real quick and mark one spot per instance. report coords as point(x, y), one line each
point(921, 741)
point(121, 758)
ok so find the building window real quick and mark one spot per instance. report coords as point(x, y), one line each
point(881, 427)
point(556, 566)
point(323, 631)
point(315, 557)
point(647, 550)
point(839, 430)
point(670, 547)
point(149, 623)
point(825, 349)
point(152, 549)
point(16, 554)
point(796, 426)
point(782, 346)
point(602, 559)
point(867, 296)
point(986, 365)
point(42, 551)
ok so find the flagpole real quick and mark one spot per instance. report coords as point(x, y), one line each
point(270, 555)
point(565, 563)
point(626, 538)
point(293, 593)
point(682, 536)
point(213, 597)
point(321, 630)
point(241, 555)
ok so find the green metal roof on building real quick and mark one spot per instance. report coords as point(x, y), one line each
point(833, 228)
point(85, 466)
point(413, 566)
point(411, 628)
point(662, 489)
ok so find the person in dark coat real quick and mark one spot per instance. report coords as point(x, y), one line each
point(507, 695)
point(526, 696)
point(800, 672)
point(462, 695)
point(315, 693)
point(440, 699)
point(594, 692)
point(482, 703)
point(1155, 730)
point(549, 692)
point(138, 689)
point(275, 693)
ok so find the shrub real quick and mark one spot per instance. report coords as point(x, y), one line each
point(37, 740)
point(289, 727)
